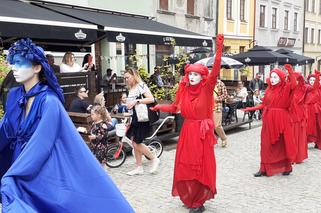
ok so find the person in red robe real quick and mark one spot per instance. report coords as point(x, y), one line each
point(195, 166)
point(299, 118)
point(278, 148)
point(313, 110)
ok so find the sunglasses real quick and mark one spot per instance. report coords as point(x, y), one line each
point(83, 91)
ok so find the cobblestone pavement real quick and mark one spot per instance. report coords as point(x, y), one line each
point(238, 190)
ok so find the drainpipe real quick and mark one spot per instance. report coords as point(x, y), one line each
point(216, 29)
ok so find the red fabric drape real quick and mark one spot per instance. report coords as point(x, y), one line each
point(195, 166)
point(278, 148)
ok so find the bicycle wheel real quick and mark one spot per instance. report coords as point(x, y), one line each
point(156, 147)
point(115, 156)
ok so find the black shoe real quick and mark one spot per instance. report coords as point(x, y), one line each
point(197, 210)
point(259, 174)
point(287, 173)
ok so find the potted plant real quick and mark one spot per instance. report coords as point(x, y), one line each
point(4, 69)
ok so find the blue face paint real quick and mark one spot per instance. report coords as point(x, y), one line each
point(21, 62)
point(22, 69)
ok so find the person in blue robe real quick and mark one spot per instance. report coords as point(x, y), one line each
point(45, 166)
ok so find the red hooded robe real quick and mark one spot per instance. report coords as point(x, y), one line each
point(195, 166)
point(299, 118)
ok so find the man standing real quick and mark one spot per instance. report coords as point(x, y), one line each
point(51, 62)
point(220, 95)
point(256, 83)
point(79, 104)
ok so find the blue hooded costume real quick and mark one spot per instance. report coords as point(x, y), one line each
point(45, 166)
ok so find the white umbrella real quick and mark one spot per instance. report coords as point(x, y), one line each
point(226, 62)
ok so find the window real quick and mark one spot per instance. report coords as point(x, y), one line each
point(312, 36)
point(274, 12)
point(209, 9)
point(313, 6)
point(190, 7)
point(163, 4)
point(262, 16)
point(242, 10)
point(295, 22)
point(306, 30)
point(306, 5)
point(286, 20)
point(242, 49)
point(319, 36)
point(229, 9)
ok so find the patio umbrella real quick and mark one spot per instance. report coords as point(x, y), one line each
point(260, 55)
point(226, 62)
point(200, 50)
point(299, 59)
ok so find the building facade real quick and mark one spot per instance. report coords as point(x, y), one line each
point(312, 33)
point(279, 24)
point(236, 21)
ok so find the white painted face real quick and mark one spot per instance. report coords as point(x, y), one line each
point(311, 81)
point(274, 78)
point(194, 78)
point(22, 69)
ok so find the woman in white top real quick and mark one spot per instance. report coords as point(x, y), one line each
point(241, 95)
point(69, 64)
point(139, 93)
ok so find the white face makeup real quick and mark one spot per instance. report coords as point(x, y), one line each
point(194, 78)
point(22, 69)
point(274, 79)
point(311, 81)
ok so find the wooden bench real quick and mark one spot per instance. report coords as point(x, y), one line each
point(84, 120)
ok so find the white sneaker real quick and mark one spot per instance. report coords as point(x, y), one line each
point(154, 165)
point(138, 171)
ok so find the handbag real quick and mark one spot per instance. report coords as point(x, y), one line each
point(144, 113)
point(141, 112)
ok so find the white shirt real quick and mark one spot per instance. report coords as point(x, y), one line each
point(136, 91)
point(64, 68)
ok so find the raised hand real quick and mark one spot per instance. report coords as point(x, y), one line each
point(219, 39)
point(154, 108)
point(289, 68)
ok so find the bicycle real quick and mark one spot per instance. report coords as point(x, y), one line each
point(116, 155)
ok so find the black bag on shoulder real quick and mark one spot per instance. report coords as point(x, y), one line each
point(153, 116)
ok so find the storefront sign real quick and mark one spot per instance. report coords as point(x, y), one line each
point(286, 42)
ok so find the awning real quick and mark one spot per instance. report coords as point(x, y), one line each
point(20, 19)
point(135, 28)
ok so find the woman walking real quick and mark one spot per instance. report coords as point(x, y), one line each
point(139, 93)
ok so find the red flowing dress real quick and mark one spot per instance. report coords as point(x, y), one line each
point(278, 148)
point(313, 112)
point(195, 166)
point(299, 118)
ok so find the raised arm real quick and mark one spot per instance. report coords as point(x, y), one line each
point(217, 62)
point(291, 76)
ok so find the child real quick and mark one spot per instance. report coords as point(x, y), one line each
point(121, 107)
point(257, 100)
point(99, 132)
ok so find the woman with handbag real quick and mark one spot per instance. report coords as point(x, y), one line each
point(195, 167)
point(139, 96)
